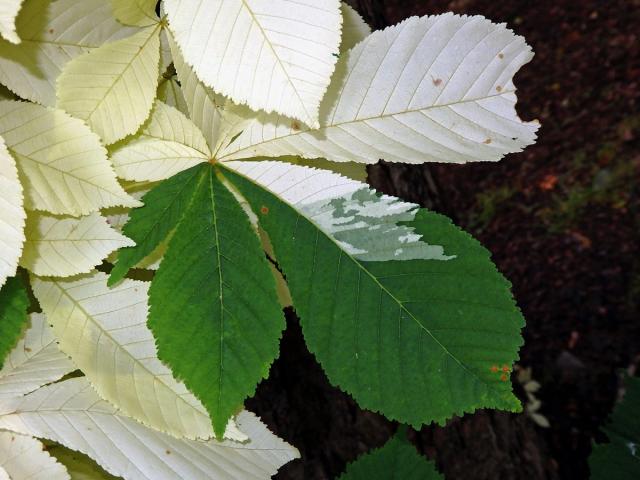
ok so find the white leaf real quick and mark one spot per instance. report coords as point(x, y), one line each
point(104, 331)
point(62, 247)
point(11, 215)
point(272, 55)
point(113, 87)
point(354, 28)
point(3, 474)
point(72, 414)
point(23, 457)
point(141, 13)
point(205, 106)
point(434, 89)
point(367, 225)
point(167, 144)
point(52, 33)
point(63, 167)
point(33, 362)
point(9, 10)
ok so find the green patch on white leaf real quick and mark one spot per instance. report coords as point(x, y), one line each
point(12, 215)
point(441, 328)
point(104, 331)
point(62, 164)
point(272, 56)
point(113, 87)
point(435, 88)
point(63, 246)
point(72, 414)
point(53, 32)
point(168, 143)
point(354, 28)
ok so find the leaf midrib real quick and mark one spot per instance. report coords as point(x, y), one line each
point(370, 275)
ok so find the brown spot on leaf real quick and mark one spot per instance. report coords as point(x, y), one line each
point(487, 141)
point(437, 82)
point(494, 369)
point(27, 349)
point(498, 89)
point(501, 56)
point(264, 210)
point(295, 125)
point(504, 377)
point(168, 452)
point(51, 31)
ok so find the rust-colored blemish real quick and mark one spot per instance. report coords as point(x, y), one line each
point(264, 210)
point(501, 56)
point(504, 377)
point(494, 369)
point(295, 125)
point(487, 141)
point(505, 368)
point(498, 89)
point(437, 82)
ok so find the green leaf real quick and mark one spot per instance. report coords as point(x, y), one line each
point(14, 302)
point(141, 13)
point(113, 87)
point(396, 459)
point(149, 225)
point(213, 303)
point(620, 459)
point(420, 339)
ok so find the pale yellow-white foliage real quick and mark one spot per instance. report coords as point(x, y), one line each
point(65, 246)
point(141, 13)
point(112, 87)
point(72, 414)
point(273, 56)
point(23, 457)
point(12, 215)
point(435, 88)
point(9, 10)
point(63, 166)
point(168, 143)
point(53, 32)
point(104, 331)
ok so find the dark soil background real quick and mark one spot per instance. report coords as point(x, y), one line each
point(563, 222)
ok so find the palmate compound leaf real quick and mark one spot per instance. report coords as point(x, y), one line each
point(396, 459)
point(72, 414)
point(420, 339)
point(35, 361)
point(9, 10)
point(63, 166)
point(66, 246)
point(620, 458)
point(113, 87)
point(274, 56)
point(435, 88)
point(24, 457)
point(104, 331)
point(168, 143)
point(14, 302)
point(12, 215)
point(213, 309)
point(53, 32)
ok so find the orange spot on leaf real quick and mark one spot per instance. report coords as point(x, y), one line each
point(504, 377)
point(494, 368)
point(264, 210)
point(505, 368)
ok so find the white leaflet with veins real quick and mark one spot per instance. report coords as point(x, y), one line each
point(63, 166)
point(168, 143)
point(71, 413)
point(435, 88)
point(53, 32)
point(365, 223)
point(274, 55)
point(24, 457)
point(66, 246)
point(12, 215)
point(104, 331)
point(35, 361)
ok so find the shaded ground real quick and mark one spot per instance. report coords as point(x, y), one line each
point(563, 222)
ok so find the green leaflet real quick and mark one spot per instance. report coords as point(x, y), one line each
point(164, 205)
point(620, 459)
point(396, 459)
point(418, 340)
point(14, 302)
point(213, 304)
